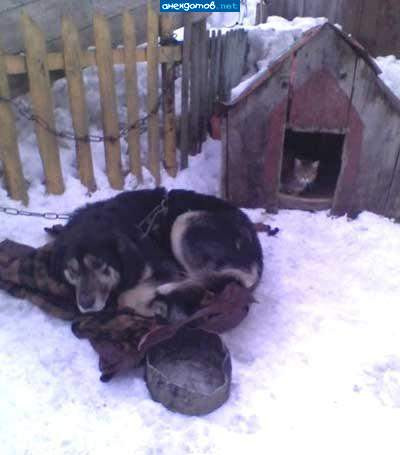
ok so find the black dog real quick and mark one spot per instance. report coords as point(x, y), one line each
point(142, 247)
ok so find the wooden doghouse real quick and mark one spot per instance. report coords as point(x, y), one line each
point(324, 94)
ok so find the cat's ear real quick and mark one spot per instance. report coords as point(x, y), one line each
point(297, 163)
point(315, 165)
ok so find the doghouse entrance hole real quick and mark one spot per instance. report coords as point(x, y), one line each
point(311, 164)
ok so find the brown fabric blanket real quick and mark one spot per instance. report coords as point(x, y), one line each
point(120, 336)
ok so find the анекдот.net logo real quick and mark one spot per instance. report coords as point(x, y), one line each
point(202, 6)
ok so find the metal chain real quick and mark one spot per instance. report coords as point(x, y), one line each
point(140, 124)
point(123, 132)
point(146, 225)
point(46, 215)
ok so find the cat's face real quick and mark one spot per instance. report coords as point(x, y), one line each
point(305, 171)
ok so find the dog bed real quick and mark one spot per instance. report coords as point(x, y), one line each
point(119, 336)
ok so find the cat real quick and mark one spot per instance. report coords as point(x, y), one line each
point(297, 174)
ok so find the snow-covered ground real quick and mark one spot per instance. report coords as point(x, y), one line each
point(316, 364)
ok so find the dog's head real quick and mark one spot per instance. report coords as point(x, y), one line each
point(93, 279)
point(96, 264)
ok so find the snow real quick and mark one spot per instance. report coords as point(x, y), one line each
point(390, 75)
point(316, 366)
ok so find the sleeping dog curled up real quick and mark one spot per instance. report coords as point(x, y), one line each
point(156, 252)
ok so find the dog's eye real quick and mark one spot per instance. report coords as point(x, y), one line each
point(106, 271)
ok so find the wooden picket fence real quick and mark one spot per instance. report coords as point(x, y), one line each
point(208, 73)
point(212, 64)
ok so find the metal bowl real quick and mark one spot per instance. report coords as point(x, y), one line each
point(190, 373)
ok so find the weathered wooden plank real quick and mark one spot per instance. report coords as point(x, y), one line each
point(238, 63)
point(348, 14)
point(212, 73)
point(376, 24)
point(132, 97)
point(218, 66)
point(256, 128)
point(204, 116)
point(375, 161)
point(184, 121)
point(42, 100)
point(264, 11)
point(9, 152)
point(108, 101)
point(223, 90)
point(16, 64)
point(152, 93)
point(77, 101)
point(291, 8)
point(258, 14)
point(380, 26)
point(224, 184)
point(195, 89)
point(168, 90)
point(321, 8)
point(324, 66)
point(276, 7)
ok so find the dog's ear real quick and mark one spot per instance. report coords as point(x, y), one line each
point(57, 260)
point(132, 259)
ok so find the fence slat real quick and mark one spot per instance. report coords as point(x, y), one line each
point(218, 66)
point(264, 11)
point(152, 93)
point(258, 14)
point(204, 44)
point(131, 89)
point(195, 89)
point(211, 73)
point(9, 152)
point(184, 123)
point(77, 100)
point(168, 90)
point(108, 99)
point(42, 100)
point(223, 76)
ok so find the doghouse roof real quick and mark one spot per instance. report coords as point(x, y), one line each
point(306, 39)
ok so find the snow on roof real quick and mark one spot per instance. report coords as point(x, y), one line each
point(387, 69)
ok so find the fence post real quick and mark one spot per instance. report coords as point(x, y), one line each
point(168, 91)
point(77, 100)
point(131, 89)
point(9, 153)
point(152, 92)
point(42, 100)
point(184, 124)
point(104, 60)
